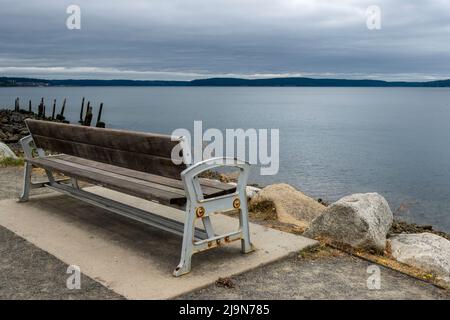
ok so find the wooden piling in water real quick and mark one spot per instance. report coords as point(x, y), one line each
point(60, 116)
point(41, 108)
point(29, 107)
point(63, 108)
point(81, 111)
point(54, 109)
point(88, 117)
point(17, 105)
point(99, 123)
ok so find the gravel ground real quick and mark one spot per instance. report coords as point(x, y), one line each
point(11, 182)
point(28, 272)
point(332, 277)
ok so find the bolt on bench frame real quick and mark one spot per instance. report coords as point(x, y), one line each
point(197, 207)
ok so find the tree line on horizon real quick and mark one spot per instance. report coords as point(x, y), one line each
point(227, 82)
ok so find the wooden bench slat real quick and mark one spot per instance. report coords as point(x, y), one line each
point(149, 193)
point(209, 187)
point(132, 160)
point(139, 142)
point(144, 183)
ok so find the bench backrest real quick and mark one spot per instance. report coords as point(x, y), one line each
point(140, 151)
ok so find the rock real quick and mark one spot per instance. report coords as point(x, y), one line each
point(6, 152)
point(12, 125)
point(291, 205)
point(228, 177)
point(8, 128)
point(13, 138)
point(399, 226)
point(426, 251)
point(360, 220)
point(249, 190)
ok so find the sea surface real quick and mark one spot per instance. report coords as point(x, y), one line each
point(333, 141)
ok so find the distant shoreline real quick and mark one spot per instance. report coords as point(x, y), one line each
point(222, 82)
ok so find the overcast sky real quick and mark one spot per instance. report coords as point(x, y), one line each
point(186, 39)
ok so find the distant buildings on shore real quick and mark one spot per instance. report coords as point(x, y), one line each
point(15, 83)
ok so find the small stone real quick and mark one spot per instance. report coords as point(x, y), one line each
point(225, 282)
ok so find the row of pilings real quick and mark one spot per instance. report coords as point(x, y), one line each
point(86, 112)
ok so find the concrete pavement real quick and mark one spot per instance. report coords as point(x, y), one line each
point(134, 260)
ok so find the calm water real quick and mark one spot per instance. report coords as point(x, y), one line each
point(334, 141)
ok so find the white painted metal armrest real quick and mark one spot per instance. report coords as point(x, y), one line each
point(192, 185)
point(25, 142)
point(212, 163)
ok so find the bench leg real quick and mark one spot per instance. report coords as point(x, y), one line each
point(246, 245)
point(26, 182)
point(187, 249)
point(208, 227)
point(74, 183)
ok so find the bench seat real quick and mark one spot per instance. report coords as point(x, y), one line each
point(164, 190)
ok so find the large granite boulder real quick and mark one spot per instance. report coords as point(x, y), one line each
point(291, 205)
point(426, 251)
point(359, 220)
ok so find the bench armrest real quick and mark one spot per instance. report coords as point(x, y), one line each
point(26, 142)
point(190, 175)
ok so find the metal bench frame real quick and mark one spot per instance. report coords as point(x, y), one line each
point(197, 207)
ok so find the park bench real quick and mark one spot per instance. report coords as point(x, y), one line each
point(138, 164)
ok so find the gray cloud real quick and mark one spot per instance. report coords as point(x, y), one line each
point(175, 39)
